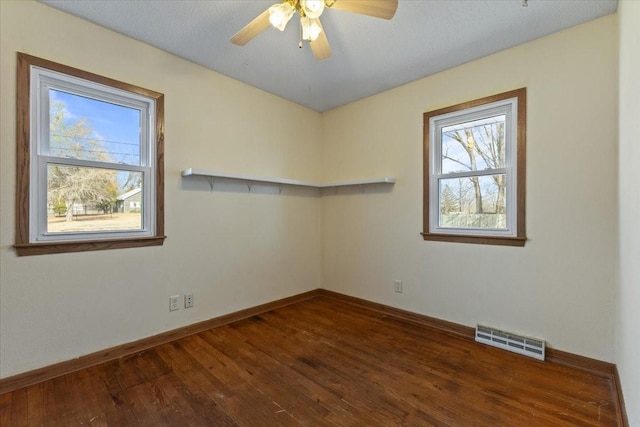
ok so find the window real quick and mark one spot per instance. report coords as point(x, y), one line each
point(474, 171)
point(85, 144)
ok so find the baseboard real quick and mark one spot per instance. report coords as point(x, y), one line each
point(583, 363)
point(621, 411)
point(443, 325)
point(53, 371)
point(558, 357)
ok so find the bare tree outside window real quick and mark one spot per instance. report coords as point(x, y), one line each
point(473, 146)
point(70, 185)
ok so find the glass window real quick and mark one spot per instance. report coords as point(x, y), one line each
point(475, 171)
point(92, 147)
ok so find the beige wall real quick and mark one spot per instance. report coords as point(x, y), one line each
point(561, 286)
point(628, 309)
point(231, 249)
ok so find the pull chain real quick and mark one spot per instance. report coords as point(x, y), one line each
point(300, 43)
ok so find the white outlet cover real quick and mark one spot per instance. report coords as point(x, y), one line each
point(174, 302)
point(188, 301)
point(397, 286)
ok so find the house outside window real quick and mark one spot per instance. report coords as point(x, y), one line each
point(83, 141)
point(474, 171)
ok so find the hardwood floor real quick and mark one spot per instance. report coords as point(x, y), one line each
point(320, 362)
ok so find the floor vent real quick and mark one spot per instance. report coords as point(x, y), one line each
point(516, 343)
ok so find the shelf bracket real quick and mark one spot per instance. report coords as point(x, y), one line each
point(211, 180)
point(279, 188)
point(249, 185)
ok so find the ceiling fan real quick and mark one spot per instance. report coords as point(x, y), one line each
point(310, 10)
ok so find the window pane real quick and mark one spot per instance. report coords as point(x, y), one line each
point(88, 129)
point(474, 145)
point(473, 202)
point(82, 199)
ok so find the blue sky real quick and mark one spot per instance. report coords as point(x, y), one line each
point(116, 126)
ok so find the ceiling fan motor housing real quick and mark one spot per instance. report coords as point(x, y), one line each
point(312, 8)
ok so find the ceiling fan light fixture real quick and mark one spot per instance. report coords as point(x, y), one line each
point(312, 8)
point(311, 28)
point(280, 14)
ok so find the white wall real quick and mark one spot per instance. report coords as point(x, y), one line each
point(231, 249)
point(628, 308)
point(561, 286)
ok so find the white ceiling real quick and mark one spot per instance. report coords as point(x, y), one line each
point(370, 55)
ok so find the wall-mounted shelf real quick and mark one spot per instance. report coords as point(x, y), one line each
point(283, 181)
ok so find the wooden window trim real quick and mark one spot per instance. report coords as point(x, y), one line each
point(23, 130)
point(520, 238)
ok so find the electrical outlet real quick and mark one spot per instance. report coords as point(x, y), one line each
point(174, 302)
point(397, 286)
point(188, 300)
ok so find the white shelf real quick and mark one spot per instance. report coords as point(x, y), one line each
point(285, 181)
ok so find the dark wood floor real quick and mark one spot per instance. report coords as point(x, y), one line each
point(321, 362)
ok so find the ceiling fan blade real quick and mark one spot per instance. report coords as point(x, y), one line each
point(320, 46)
point(252, 29)
point(379, 8)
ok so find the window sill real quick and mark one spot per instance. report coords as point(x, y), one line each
point(83, 246)
point(481, 240)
